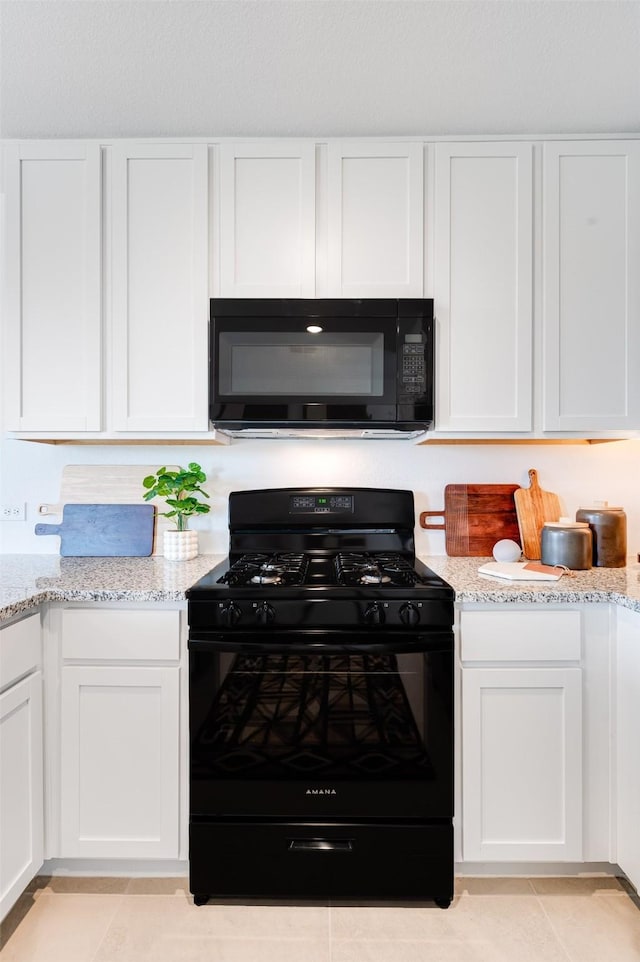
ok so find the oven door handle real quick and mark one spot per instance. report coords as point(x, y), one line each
point(321, 642)
point(342, 846)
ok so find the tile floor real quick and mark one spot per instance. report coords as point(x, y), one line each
point(490, 920)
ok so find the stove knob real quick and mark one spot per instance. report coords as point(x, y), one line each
point(374, 614)
point(265, 614)
point(230, 614)
point(409, 614)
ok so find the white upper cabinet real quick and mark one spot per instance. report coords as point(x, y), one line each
point(267, 219)
point(160, 303)
point(375, 219)
point(591, 253)
point(52, 290)
point(530, 251)
point(483, 286)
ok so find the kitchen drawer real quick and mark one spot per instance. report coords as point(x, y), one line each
point(19, 649)
point(99, 634)
point(521, 635)
point(321, 860)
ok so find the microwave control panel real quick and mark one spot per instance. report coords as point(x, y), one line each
point(412, 365)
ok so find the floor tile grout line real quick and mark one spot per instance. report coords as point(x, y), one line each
point(109, 924)
point(564, 948)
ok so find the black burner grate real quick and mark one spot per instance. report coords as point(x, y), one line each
point(374, 568)
point(284, 568)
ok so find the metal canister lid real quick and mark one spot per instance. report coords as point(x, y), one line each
point(566, 523)
point(601, 506)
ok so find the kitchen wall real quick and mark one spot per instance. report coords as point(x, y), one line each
point(71, 69)
point(579, 473)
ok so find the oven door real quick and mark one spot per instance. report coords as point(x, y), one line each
point(322, 725)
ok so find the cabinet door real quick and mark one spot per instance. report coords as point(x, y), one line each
point(52, 304)
point(119, 759)
point(627, 741)
point(21, 792)
point(483, 286)
point(591, 198)
point(375, 219)
point(160, 287)
point(267, 219)
point(522, 764)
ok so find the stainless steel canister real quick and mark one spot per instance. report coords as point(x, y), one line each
point(567, 542)
point(609, 527)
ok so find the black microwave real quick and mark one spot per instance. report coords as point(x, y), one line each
point(285, 367)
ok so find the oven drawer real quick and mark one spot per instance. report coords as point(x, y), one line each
point(321, 859)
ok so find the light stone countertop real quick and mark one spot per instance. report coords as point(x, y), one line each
point(620, 586)
point(27, 581)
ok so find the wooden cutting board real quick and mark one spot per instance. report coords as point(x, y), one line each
point(475, 517)
point(533, 507)
point(103, 530)
point(108, 484)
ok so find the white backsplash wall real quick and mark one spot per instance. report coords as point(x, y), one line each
point(578, 473)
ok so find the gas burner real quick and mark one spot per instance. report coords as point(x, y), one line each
point(373, 576)
point(269, 574)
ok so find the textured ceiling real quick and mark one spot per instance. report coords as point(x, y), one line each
point(105, 68)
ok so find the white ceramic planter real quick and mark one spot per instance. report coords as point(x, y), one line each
point(180, 545)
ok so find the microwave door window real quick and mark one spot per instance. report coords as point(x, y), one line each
point(297, 365)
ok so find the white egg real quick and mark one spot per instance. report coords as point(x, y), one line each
point(507, 550)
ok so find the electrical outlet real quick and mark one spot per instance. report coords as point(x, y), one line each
point(12, 512)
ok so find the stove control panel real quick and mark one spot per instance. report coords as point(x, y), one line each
point(321, 504)
point(249, 614)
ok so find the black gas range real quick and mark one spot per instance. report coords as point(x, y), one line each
point(321, 704)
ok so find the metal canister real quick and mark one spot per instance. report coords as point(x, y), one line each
point(609, 528)
point(567, 542)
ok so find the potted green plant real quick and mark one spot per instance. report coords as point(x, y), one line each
point(179, 490)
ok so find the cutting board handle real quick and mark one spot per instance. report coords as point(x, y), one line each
point(46, 509)
point(48, 528)
point(533, 478)
point(432, 514)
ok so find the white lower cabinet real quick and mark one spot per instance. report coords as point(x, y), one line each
point(627, 742)
point(536, 728)
point(21, 773)
point(522, 736)
point(120, 734)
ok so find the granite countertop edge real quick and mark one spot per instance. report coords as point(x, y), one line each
point(29, 581)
